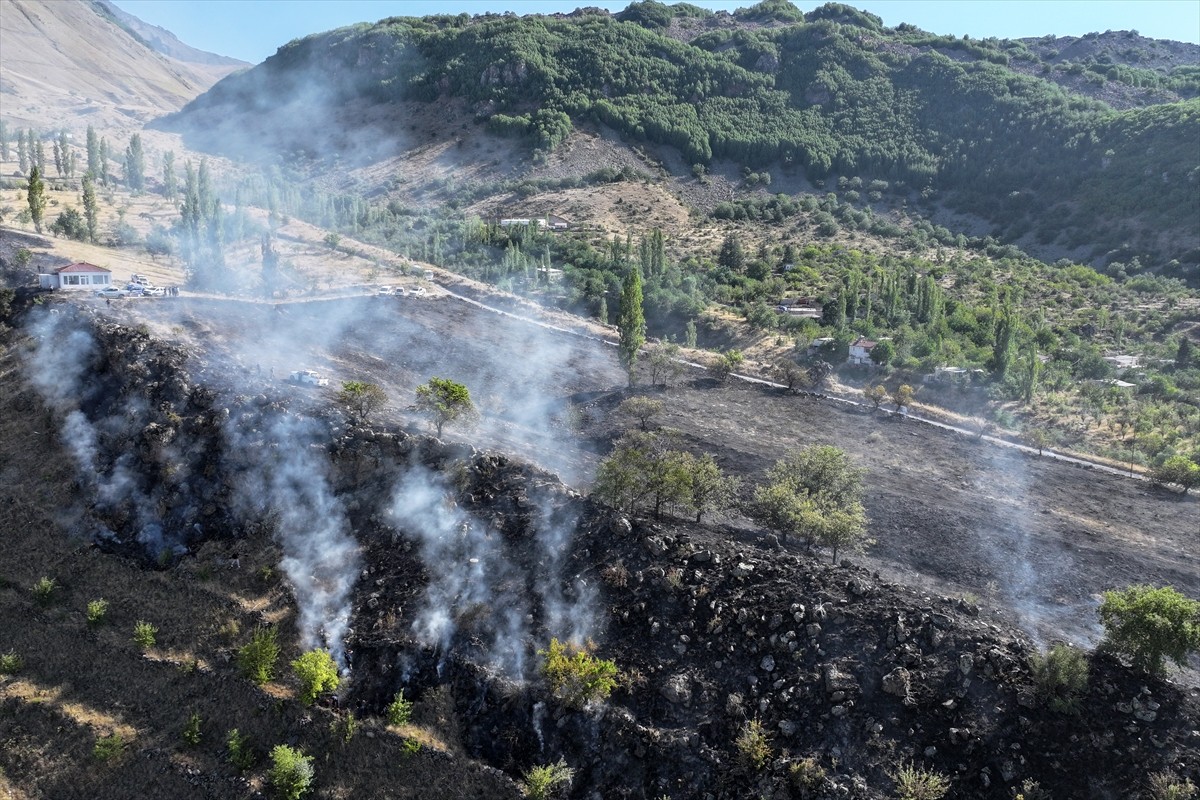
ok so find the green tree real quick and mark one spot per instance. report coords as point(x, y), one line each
point(36, 195)
point(170, 183)
point(902, 396)
point(708, 489)
point(361, 398)
point(444, 400)
point(883, 352)
point(1185, 353)
point(815, 494)
point(1061, 677)
point(71, 224)
point(1150, 625)
point(791, 374)
point(631, 323)
point(641, 408)
point(725, 364)
point(135, 166)
point(4, 143)
point(662, 363)
point(93, 153)
point(68, 155)
point(291, 772)
point(317, 672)
point(256, 659)
point(642, 469)
point(876, 395)
point(22, 153)
point(91, 210)
point(1178, 470)
point(732, 255)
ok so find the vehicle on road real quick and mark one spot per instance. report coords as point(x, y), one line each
point(307, 377)
point(386, 290)
point(110, 293)
point(154, 291)
point(419, 292)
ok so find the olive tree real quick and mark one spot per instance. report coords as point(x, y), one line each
point(361, 398)
point(815, 494)
point(444, 401)
point(1150, 625)
point(641, 408)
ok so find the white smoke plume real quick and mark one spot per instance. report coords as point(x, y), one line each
point(289, 483)
point(470, 577)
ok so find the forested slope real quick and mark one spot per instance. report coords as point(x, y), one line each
point(830, 93)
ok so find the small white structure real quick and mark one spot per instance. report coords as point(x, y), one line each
point(860, 351)
point(81, 275)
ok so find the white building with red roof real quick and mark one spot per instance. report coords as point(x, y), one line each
point(81, 275)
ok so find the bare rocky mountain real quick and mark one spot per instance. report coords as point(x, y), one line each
point(165, 42)
point(69, 64)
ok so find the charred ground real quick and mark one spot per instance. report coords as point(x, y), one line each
point(711, 624)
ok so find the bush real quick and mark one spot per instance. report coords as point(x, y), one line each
point(256, 659)
point(753, 746)
point(43, 590)
point(917, 783)
point(1150, 625)
point(1061, 675)
point(10, 663)
point(144, 634)
point(577, 679)
point(725, 364)
point(191, 731)
point(399, 711)
point(1165, 786)
point(291, 772)
point(240, 750)
point(806, 775)
point(543, 782)
point(97, 610)
point(108, 747)
point(317, 673)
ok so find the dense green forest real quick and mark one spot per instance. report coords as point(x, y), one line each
point(830, 93)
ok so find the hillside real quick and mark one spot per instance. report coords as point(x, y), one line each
point(67, 64)
point(931, 121)
point(440, 568)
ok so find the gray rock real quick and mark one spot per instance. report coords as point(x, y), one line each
point(768, 663)
point(654, 545)
point(677, 689)
point(897, 682)
point(742, 569)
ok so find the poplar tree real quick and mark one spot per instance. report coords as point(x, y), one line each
point(39, 152)
point(93, 153)
point(135, 164)
point(22, 153)
point(3, 141)
point(170, 183)
point(68, 157)
point(631, 322)
point(91, 211)
point(37, 198)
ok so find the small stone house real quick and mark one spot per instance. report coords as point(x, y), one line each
point(860, 351)
point(81, 275)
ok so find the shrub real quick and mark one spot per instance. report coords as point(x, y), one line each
point(806, 775)
point(43, 590)
point(918, 783)
point(144, 634)
point(344, 728)
point(1061, 676)
point(543, 782)
point(291, 772)
point(577, 679)
point(399, 711)
point(1031, 790)
point(108, 747)
point(191, 731)
point(754, 746)
point(1165, 786)
point(1150, 625)
point(97, 610)
point(240, 750)
point(256, 659)
point(10, 663)
point(317, 673)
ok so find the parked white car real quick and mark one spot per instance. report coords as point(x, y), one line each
point(386, 290)
point(154, 291)
point(110, 293)
point(307, 377)
point(419, 292)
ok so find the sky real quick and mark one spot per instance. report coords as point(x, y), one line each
point(251, 30)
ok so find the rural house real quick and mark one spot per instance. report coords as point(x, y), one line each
point(81, 275)
point(860, 351)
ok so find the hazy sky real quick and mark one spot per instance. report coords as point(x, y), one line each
point(253, 29)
